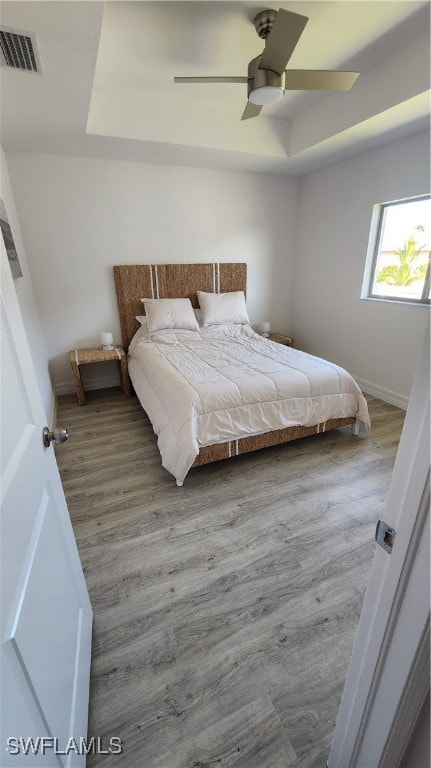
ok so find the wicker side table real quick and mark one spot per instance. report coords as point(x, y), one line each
point(79, 357)
point(280, 338)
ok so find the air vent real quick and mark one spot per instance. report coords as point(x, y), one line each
point(18, 50)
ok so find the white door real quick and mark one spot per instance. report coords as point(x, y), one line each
point(388, 679)
point(46, 615)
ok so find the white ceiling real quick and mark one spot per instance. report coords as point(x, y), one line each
point(107, 90)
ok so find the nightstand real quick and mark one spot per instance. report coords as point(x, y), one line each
point(79, 357)
point(281, 339)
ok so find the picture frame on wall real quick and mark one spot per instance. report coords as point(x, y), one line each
point(9, 243)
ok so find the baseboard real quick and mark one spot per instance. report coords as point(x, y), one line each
point(387, 395)
point(68, 387)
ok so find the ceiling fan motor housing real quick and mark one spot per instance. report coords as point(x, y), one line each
point(263, 78)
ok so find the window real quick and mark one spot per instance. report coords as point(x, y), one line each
point(399, 252)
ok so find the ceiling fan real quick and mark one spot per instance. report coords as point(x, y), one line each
point(267, 78)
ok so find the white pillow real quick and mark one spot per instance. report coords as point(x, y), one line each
point(170, 313)
point(218, 308)
point(142, 319)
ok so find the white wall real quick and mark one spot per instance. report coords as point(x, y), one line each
point(26, 296)
point(79, 217)
point(378, 342)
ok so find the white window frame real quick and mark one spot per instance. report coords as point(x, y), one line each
point(377, 222)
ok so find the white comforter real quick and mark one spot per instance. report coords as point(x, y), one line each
point(226, 382)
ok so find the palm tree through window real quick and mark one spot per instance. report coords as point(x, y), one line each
point(401, 265)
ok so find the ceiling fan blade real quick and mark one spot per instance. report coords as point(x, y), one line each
point(282, 39)
point(210, 79)
point(318, 80)
point(251, 110)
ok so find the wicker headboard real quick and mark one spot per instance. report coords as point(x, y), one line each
point(170, 281)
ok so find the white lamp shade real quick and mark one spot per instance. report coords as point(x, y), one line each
point(263, 328)
point(106, 339)
point(266, 94)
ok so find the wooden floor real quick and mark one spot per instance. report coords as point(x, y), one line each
point(224, 611)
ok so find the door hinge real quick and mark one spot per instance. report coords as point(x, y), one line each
point(385, 535)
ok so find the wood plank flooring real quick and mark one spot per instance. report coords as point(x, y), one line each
point(224, 611)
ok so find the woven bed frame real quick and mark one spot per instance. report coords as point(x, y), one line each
point(170, 281)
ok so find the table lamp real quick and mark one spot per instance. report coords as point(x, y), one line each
point(106, 339)
point(263, 328)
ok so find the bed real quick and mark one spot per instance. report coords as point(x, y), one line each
point(223, 390)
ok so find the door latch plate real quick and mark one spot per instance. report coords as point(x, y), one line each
point(385, 535)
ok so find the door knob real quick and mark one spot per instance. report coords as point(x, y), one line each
point(58, 435)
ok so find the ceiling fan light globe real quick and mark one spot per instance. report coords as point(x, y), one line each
point(266, 94)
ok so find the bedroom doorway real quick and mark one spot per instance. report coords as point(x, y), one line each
point(387, 683)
